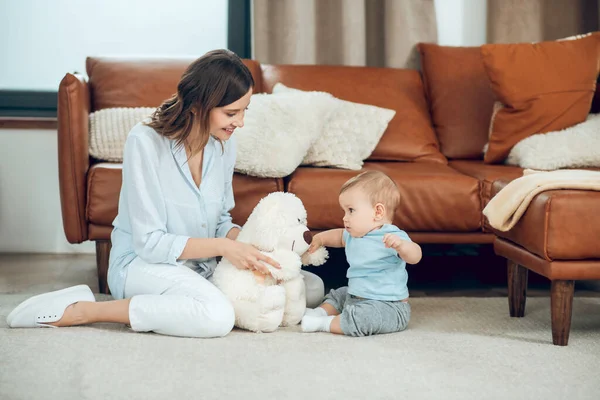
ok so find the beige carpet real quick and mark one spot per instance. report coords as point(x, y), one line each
point(455, 348)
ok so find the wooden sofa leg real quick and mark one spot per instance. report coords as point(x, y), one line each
point(517, 288)
point(102, 253)
point(562, 305)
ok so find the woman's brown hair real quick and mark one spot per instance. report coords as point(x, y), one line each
point(216, 79)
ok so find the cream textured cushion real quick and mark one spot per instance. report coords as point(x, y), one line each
point(109, 129)
point(349, 136)
point(575, 147)
point(279, 129)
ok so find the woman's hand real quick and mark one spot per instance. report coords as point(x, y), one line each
point(246, 256)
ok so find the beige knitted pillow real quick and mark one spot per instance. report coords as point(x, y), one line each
point(350, 134)
point(109, 129)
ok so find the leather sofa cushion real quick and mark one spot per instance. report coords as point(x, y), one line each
point(434, 197)
point(460, 98)
point(104, 185)
point(140, 83)
point(409, 136)
point(99, 232)
point(486, 174)
point(558, 224)
point(543, 87)
point(103, 188)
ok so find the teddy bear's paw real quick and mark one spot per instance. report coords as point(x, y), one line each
point(271, 309)
point(289, 262)
point(290, 321)
point(273, 299)
point(295, 305)
point(293, 317)
point(317, 258)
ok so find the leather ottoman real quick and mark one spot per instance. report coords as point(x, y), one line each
point(557, 237)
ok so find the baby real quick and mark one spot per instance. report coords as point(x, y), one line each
point(376, 298)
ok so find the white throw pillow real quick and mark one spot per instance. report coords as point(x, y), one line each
point(278, 130)
point(349, 136)
point(109, 129)
point(575, 147)
point(499, 106)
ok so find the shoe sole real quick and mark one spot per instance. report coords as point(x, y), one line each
point(49, 295)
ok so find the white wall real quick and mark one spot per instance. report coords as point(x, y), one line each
point(30, 216)
point(41, 40)
point(461, 22)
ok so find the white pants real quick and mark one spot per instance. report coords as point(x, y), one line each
point(177, 301)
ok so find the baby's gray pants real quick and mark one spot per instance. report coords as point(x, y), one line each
point(364, 317)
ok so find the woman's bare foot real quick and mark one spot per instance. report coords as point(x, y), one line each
point(74, 315)
point(86, 312)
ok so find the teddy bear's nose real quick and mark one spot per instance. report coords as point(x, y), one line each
point(308, 237)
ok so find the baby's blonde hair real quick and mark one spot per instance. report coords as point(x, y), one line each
point(379, 188)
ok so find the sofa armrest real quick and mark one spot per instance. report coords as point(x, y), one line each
point(73, 154)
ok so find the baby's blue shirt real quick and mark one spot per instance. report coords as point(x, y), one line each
point(376, 272)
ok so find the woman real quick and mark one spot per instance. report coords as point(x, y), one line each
point(173, 219)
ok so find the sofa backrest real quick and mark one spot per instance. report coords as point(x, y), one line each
point(461, 98)
point(118, 82)
point(409, 136)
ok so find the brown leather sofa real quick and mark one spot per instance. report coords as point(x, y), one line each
point(442, 200)
point(443, 190)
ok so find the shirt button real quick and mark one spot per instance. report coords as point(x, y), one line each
point(204, 225)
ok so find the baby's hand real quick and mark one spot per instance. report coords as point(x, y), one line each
point(315, 244)
point(393, 241)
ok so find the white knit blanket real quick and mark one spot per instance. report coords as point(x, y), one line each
point(506, 208)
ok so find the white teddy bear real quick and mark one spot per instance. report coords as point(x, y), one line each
point(262, 303)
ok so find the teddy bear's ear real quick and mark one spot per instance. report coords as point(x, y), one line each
point(259, 233)
point(266, 236)
point(317, 258)
point(263, 226)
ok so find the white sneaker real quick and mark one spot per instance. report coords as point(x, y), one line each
point(38, 311)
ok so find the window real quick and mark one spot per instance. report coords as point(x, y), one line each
point(42, 40)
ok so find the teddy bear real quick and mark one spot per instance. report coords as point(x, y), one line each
point(262, 303)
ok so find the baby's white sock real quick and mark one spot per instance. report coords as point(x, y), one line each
point(316, 312)
point(316, 324)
